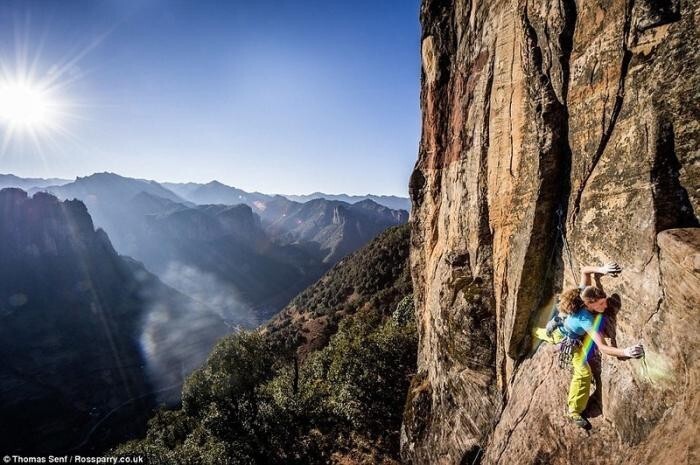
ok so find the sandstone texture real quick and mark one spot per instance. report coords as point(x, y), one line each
point(556, 134)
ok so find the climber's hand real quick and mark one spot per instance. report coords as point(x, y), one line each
point(636, 351)
point(612, 269)
point(552, 325)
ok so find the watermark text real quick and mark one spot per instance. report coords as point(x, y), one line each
point(77, 459)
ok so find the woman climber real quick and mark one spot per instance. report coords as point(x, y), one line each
point(569, 327)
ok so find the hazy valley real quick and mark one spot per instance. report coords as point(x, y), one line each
point(104, 321)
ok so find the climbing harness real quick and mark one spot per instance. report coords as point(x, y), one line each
point(567, 348)
point(568, 345)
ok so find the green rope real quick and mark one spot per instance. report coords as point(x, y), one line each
point(645, 370)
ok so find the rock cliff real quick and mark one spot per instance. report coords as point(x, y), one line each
point(556, 134)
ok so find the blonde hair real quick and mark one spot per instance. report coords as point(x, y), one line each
point(570, 301)
point(573, 299)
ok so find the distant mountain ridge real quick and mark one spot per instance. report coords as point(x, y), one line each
point(247, 253)
point(217, 192)
point(218, 254)
point(391, 201)
point(213, 192)
point(115, 185)
point(336, 228)
point(10, 180)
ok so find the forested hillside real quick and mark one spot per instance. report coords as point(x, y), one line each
point(324, 382)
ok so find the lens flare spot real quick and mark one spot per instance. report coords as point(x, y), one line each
point(655, 368)
point(24, 105)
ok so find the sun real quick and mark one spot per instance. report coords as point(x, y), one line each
point(37, 111)
point(24, 105)
point(30, 111)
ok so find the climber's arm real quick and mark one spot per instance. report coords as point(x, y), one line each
point(629, 352)
point(587, 272)
point(606, 349)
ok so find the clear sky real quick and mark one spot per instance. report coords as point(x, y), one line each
point(274, 96)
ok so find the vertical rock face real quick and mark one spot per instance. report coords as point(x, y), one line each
point(556, 134)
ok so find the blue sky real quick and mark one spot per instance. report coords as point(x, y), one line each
point(273, 96)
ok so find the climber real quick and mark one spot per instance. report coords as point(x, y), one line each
point(575, 320)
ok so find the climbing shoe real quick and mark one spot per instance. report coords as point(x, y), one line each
point(578, 419)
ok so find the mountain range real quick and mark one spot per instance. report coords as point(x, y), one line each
point(10, 180)
point(246, 260)
point(391, 201)
point(215, 192)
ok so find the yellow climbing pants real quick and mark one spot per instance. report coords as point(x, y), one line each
point(580, 386)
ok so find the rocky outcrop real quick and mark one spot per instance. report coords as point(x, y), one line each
point(555, 135)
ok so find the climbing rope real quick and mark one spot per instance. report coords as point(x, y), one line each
point(565, 242)
point(476, 457)
point(645, 370)
point(645, 367)
point(554, 247)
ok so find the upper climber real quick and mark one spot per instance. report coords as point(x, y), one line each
point(580, 312)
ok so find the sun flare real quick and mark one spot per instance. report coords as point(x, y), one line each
point(31, 110)
point(24, 105)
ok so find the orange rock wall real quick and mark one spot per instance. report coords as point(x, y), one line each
point(556, 134)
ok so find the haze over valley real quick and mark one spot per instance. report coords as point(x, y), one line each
point(244, 254)
point(156, 276)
